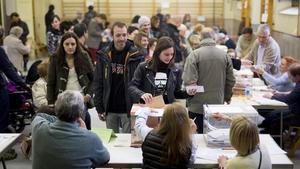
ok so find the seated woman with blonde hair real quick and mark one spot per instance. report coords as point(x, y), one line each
point(171, 144)
point(39, 88)
point(244, 138)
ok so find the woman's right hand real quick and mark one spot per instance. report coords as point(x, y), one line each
point(222, 160)
point(219, 116)
point(147, 97)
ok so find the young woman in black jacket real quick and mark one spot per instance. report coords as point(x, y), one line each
point(158, 76)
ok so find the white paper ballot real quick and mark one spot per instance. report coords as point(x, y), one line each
point(213, 153)
point(199, 89)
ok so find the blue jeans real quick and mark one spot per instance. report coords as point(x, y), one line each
point(116, 120)
point(4, 110)
point(87, 120)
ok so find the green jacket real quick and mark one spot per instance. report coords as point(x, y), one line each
point(211, 68)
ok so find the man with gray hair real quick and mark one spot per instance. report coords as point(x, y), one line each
point(211, 68)
point(265, 51)
point(53, 137)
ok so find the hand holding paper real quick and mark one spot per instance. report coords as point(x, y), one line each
point(147, 97)
point(156, 102)
point(194, 89)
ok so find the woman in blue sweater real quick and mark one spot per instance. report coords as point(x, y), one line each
point(280, 83)
point(292, 99)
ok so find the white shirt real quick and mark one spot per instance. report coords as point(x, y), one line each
point(73, 83)
point(260, 55)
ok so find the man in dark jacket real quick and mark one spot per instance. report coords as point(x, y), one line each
point(6, 70)
point(114, 70)
point(291, 117)
point(173, 33)
point(48, 17)
point(16, 21)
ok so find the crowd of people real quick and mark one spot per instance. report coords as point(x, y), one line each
point(110, 67)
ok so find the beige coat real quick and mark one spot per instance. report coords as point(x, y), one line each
point(271, 58)
point(15, 51)
point(211, 68)
point(243, 46)
point(39, 93)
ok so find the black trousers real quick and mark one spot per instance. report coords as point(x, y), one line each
point(198, 121)
point(4, 110)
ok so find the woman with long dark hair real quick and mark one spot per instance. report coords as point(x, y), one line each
point(70, 69)
point(53, 35)
point(158, 76)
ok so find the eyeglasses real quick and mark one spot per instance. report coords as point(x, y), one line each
point(262, 37)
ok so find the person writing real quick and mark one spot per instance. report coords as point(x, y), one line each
point(244, 138)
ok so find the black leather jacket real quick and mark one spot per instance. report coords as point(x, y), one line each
point(143, 82)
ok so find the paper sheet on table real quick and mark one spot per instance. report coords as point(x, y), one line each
point(157, 102)
point(213, 153)
point(219, 134)
point(265, 101)
point(105, 134)
point(261, 88)
point(153, 113)
point(225, 109)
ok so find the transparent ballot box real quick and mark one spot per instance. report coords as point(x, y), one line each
point(216, 132)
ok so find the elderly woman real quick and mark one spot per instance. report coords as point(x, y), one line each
point(53, 137)
point(144, 25)
point(15, 48)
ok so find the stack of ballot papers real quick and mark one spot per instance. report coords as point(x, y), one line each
point(218, 137)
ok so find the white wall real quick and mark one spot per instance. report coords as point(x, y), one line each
point(231, 10)
point(284, 23)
